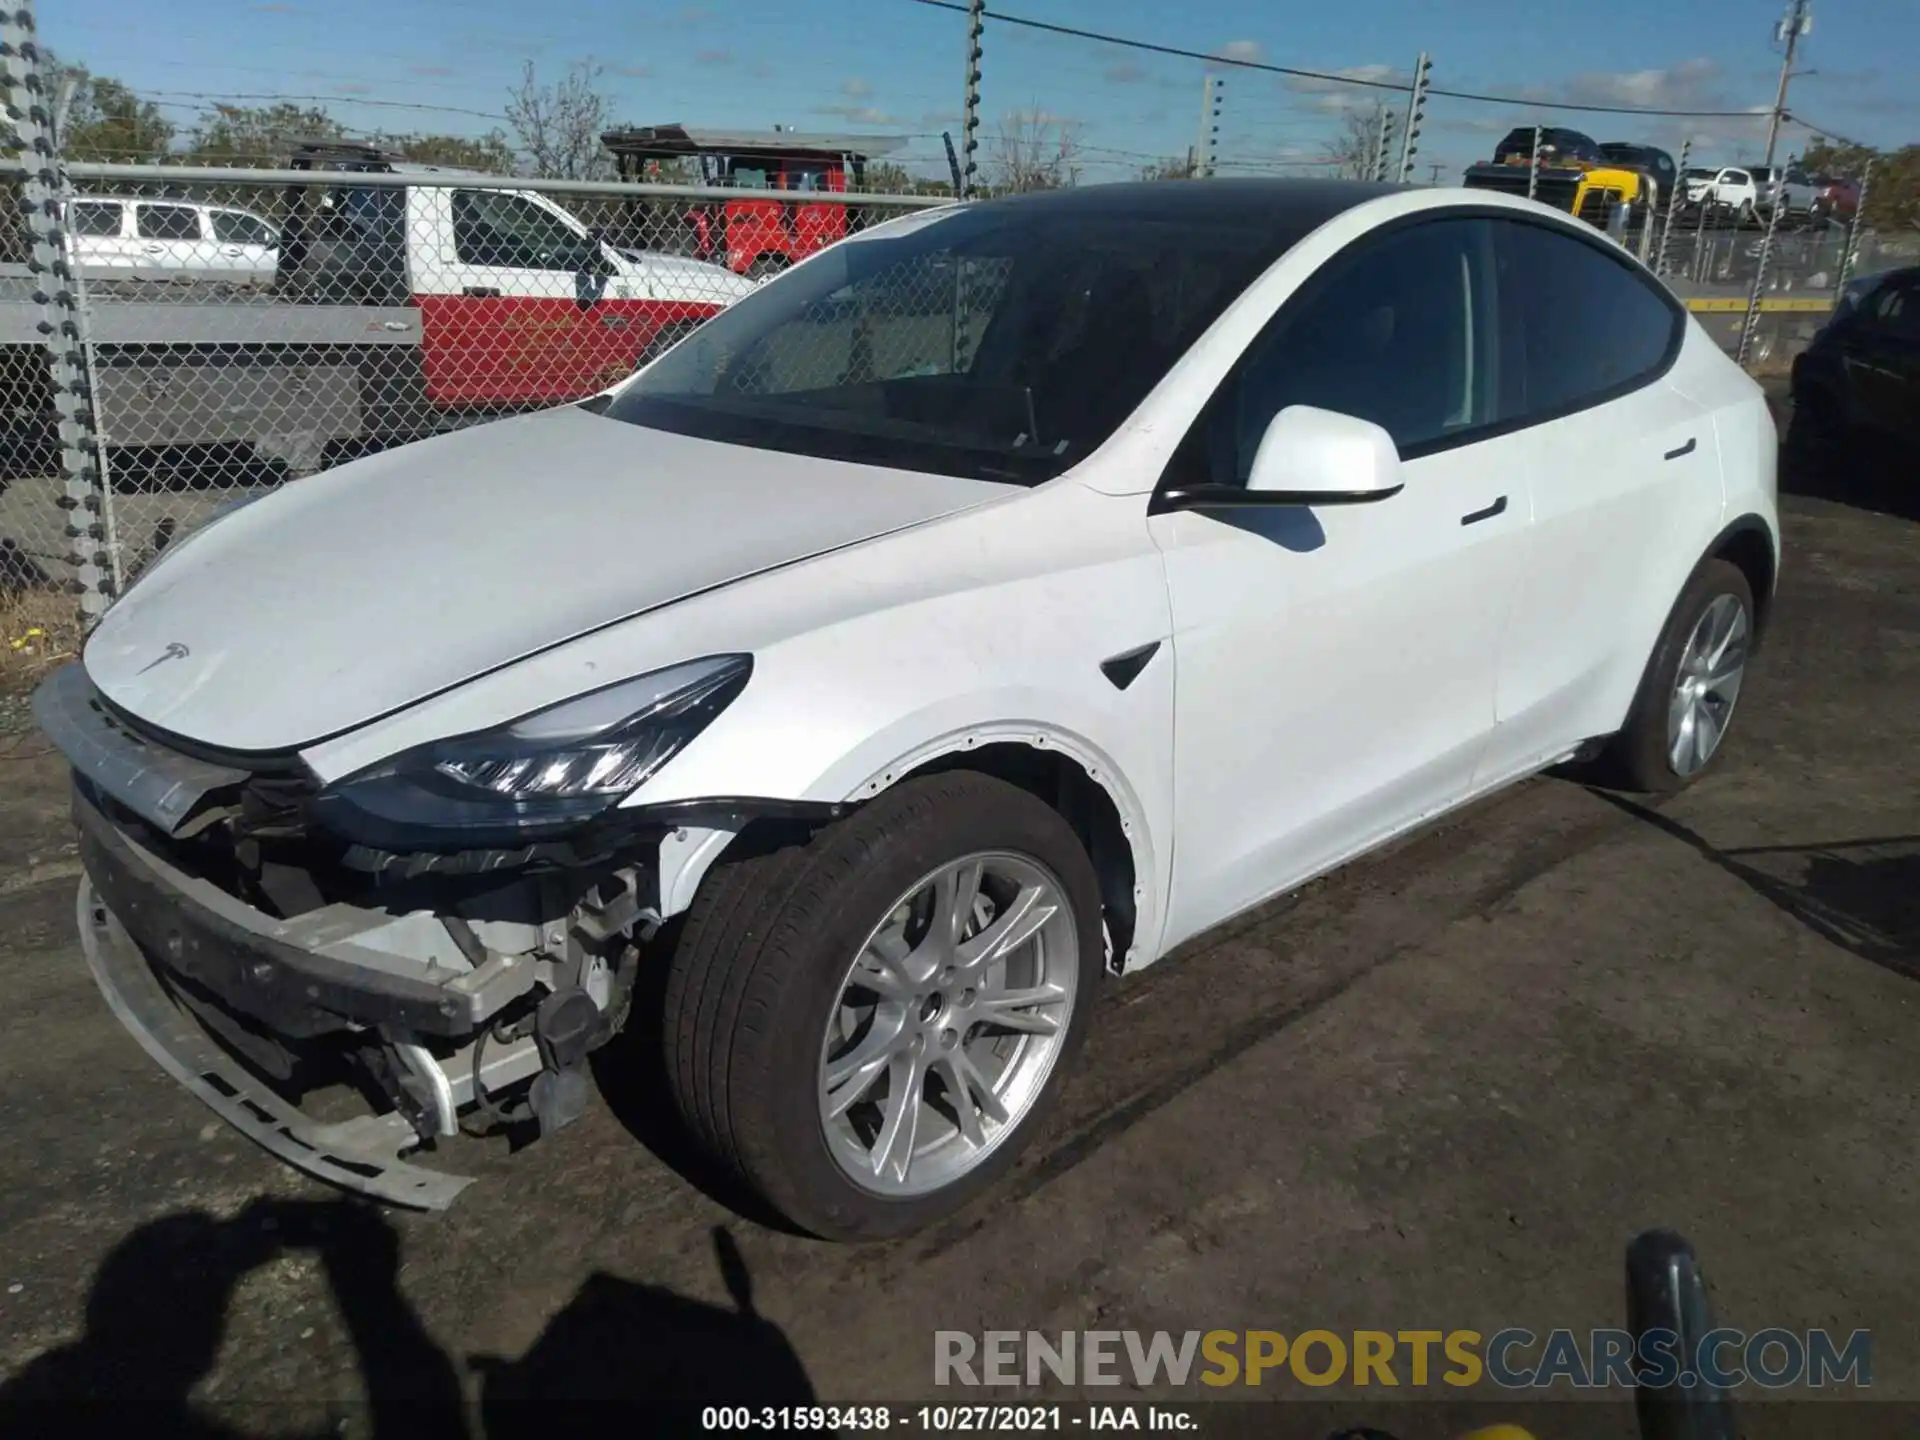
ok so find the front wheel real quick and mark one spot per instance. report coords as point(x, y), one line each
point(867, 1026)
point(1680, 716)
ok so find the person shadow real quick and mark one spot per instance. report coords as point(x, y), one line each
point(642, 1361)
point(157, 1313)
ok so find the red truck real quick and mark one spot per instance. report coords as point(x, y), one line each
point(758, 234)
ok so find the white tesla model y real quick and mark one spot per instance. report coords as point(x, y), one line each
point(988, 604)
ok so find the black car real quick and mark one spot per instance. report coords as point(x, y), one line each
point(1558, 146)
point(1860, 376)
point(1651, 159)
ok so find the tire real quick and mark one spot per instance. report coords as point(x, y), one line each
point(766, 267)
point(1640, 757)
point(766, 963)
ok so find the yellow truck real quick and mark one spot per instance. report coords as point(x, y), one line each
point(1575, 175)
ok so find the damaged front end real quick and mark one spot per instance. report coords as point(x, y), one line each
point(275, 965)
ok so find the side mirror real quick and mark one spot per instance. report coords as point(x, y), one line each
point(1308, 456)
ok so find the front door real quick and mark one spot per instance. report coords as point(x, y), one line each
point(516, 309)
point(1335, 664)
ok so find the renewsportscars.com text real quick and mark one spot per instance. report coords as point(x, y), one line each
point(1513, 1359)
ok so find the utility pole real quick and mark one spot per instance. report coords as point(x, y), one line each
point(1799, 22)
point(1435, 168)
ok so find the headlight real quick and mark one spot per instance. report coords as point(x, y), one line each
point(543, 774)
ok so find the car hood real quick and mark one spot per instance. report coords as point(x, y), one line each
point(701, 280)
point(358, 591)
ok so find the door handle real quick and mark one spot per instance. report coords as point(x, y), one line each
point(484, 292)
point(1679, 451)
point(232, 250)
point(156, 249)
point(1498, 507)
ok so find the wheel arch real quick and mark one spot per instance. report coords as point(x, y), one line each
point(1068, 773)
point(1748, 544)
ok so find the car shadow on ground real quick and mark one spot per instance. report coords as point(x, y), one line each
point(1862, 895)
point(1863, 472)
point(626, 1358)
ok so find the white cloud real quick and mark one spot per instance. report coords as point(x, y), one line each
point(1332, 97)
point(854, 88)
point(860, 114)
point(1250, 50)
point(1126, 73)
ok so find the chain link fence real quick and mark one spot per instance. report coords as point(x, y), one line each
point(239, 329)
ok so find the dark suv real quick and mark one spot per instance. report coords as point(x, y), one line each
point(1860, 377)
point(1648, 158)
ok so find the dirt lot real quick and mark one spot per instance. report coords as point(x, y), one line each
point(1440, 1090)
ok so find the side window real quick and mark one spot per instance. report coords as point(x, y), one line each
point(96, 218)
point(167, 222)
point(1578, 323)
point(1398, 330)
point(491, 227)
point(1898, 313)
point(234, 227)
point(1735, 177)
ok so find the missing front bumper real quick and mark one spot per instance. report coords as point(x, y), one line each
point(362, 1154)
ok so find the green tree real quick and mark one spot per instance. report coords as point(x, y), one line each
point(1893, 192)
point(106, 121)
point(249, 135)
point(491, 153)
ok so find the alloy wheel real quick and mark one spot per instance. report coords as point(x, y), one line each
point(948, 1023)
point(1707, 685)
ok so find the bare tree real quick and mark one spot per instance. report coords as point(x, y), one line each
point(559, 126)
point(1033, 150)
point(1352, 151)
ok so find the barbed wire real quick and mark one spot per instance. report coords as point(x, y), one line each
point(1331, 77)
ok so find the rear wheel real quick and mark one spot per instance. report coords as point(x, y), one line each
point(1680, 716)
point(868, 1026)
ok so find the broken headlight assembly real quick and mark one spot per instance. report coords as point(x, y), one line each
point(537, 777)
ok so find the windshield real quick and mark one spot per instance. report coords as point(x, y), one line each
point(1004, 342)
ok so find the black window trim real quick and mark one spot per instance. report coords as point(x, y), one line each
point(1171, 478)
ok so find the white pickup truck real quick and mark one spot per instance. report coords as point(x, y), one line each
point(1748, 190)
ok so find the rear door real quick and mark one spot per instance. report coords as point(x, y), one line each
point(171, 241)
point(1625, 476)
point(515, 305)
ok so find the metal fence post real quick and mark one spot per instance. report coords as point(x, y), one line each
point(970, 100)
point(61, 315)
point(1212, 97)
point(1752, 325)
point(1850, 256)
point(1673, 207)
point(1416, 116)
point(1383, 140)
point(1533, 167)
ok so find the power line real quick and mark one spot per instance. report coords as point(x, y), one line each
point(1075, 32)
point(1793, 119)
point(327, 100)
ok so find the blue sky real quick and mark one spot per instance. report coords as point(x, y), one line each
point(892, 66)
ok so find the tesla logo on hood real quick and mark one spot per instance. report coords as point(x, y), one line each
point(174, 651)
